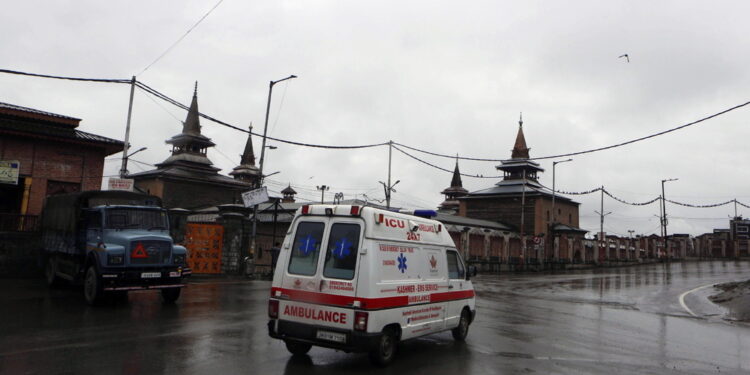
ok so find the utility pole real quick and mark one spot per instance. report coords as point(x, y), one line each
point(602, 236)
point(387, 187)
point(631, 244)
point(523, 208)
point(124, 167)
point(664, 216)
point(323, 189)
point(554, 213)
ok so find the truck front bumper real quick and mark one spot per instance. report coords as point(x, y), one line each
point(143, 278)
point(299, 332)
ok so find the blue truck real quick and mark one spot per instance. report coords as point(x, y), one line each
point(112, 242)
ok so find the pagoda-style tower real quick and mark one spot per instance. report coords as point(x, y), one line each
point(189, 147)
point(452, 193)
point(520, 190)
point(289, 194)
point(247, 171)
point(519, 167)
point(187, 178)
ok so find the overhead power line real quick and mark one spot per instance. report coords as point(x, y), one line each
point(103, 80)
point(590, 150)
point(181, 38)
point(156, 93)
point(174, 102)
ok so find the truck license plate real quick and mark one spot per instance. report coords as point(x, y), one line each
point(150, 275)
point(331, 336)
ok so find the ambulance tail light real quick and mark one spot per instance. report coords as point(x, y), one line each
point(360, 320)
point(305, 209)
point(273, 308)
point(354, 211)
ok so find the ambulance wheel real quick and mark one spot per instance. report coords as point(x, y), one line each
point(460, 332)
point(92, 287)
point(170, 295)
point(383, 354)
point(297, 348)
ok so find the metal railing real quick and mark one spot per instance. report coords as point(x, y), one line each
point(18, 223)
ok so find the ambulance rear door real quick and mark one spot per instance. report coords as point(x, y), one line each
point(339, 267)
point(317, 284)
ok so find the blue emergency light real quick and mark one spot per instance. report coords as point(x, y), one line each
point(425, 213)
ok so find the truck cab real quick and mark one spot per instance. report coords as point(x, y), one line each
point(112, 242)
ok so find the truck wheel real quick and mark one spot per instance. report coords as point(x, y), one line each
point(297, 348)
point(460, 332)
point(50, 272)
point(92, 288)
point(170, 295)
point(383, 354)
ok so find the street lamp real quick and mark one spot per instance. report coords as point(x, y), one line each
point(554, 164)
point(664, 215)
point(124, 169)
point(265, 126)
point(262, 156)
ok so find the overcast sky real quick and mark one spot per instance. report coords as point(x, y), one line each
point(449, 77)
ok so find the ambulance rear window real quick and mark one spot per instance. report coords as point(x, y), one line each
point(341, 258)
point(306, 248)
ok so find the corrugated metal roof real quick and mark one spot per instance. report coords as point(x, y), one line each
point(97, 138)
point(35, 111)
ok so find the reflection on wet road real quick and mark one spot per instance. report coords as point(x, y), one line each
point(625, 320)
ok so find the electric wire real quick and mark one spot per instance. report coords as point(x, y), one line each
point(590, 150)
point(102, 80)
point(180, 105)
point(438, 167)
point(176, 103)
point(181, 38)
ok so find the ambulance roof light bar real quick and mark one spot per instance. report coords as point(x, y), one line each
point(421, 213)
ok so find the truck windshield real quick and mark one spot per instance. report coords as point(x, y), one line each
point(135, 218)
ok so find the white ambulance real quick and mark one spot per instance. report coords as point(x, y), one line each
point(361, 279)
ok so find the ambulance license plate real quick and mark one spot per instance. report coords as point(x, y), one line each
point(150, 275)
point(331, 336)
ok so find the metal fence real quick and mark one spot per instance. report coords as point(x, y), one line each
point(18, 223)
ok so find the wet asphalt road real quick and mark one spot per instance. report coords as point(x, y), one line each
point(626, 320)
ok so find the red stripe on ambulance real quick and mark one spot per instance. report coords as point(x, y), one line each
point(365, 303)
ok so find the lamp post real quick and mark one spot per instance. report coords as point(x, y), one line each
point(664, 215)
point(262, 157)
point(323, 189)
point(265, 125)
point(554, 164)
point(554, 213)
point(124, 170)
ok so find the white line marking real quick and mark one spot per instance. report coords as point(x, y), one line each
point(682, 298)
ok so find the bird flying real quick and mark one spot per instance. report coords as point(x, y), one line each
point(625, 56)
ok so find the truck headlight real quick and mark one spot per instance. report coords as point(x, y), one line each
point(179, 258)
point(115, 259)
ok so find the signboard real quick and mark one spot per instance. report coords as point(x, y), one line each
point(121, 184)
point(253, 197)
point(9, 171)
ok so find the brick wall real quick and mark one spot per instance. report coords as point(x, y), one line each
point(46, 161)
